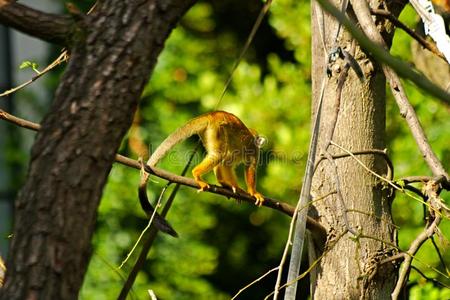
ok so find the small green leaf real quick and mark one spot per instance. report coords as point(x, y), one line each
point(401, 183)
point(29, 64)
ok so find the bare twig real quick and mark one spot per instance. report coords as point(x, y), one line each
point(390, 172)
point(362, 13)
point(148, 241)
point(444, 265)
point(421, 238)
point(149, 224)
point(413, 179)
point(380, 53)
point(421, 40)
point(283, 207)
point(399, 256)
point(434, 281)
point(430, 190)
point(63, 57)
point(254, 281)
point(249, 40)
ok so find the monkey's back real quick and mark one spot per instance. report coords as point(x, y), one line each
point(227, 135)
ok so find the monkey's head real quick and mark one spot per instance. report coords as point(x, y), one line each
point(260, 141)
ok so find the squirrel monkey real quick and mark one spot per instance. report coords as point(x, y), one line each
point(228, 143)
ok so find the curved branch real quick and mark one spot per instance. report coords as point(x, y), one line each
point(431, 190)
point(283, 207)
point(422, 41)
point(52, 28)
point(390, 171)
point(415, 246)
point(380, 53)
point(315, 227)
point(406, 110)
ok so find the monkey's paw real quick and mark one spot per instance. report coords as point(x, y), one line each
point(259, 198)
point(203, 186)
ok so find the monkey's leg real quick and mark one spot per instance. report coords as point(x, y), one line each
point(226, 177)
point(207, 164)
point(250, 179)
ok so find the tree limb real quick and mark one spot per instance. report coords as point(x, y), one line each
point(382, 55)
point(52, 28)
point(362, 13)
point(415, 246)
point(431, 190)
point(315, 227)
point(422, 41)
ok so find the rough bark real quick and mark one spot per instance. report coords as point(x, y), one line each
point(114, 54)
point(348, 270)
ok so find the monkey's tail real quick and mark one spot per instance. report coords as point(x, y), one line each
point(190, 128)
point(194, 126)
point(158, 220)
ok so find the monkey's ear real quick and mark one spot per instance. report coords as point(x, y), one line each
point(260, 141)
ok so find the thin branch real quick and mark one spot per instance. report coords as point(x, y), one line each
point(149, 224)
point(407, 111)
point(390, 172)
point(387, 180)
point(414, 190)
point(329, 136)
point(444, 265)
point(148, 241)
point(433, 280)
point(63, 57)
point(19, 121)
point(415, 246)
point(399, 256)
point(336, 105)
point(52, 28)
point(381, 55)
point(283, 207)
point(254, 281)
point(421, 40)
point(414, 179)
point(430, 190)
point(249, 40)
point(362, 13)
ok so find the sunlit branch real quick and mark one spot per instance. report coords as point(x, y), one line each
point(315, 227)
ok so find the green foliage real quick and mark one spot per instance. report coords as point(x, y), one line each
point(28, 64)
point(425, 290)
point(222, 245)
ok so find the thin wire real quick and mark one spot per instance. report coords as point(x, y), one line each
point(252, 34)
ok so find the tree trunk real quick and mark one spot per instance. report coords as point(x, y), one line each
point(111, 60)
point(349, 268)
